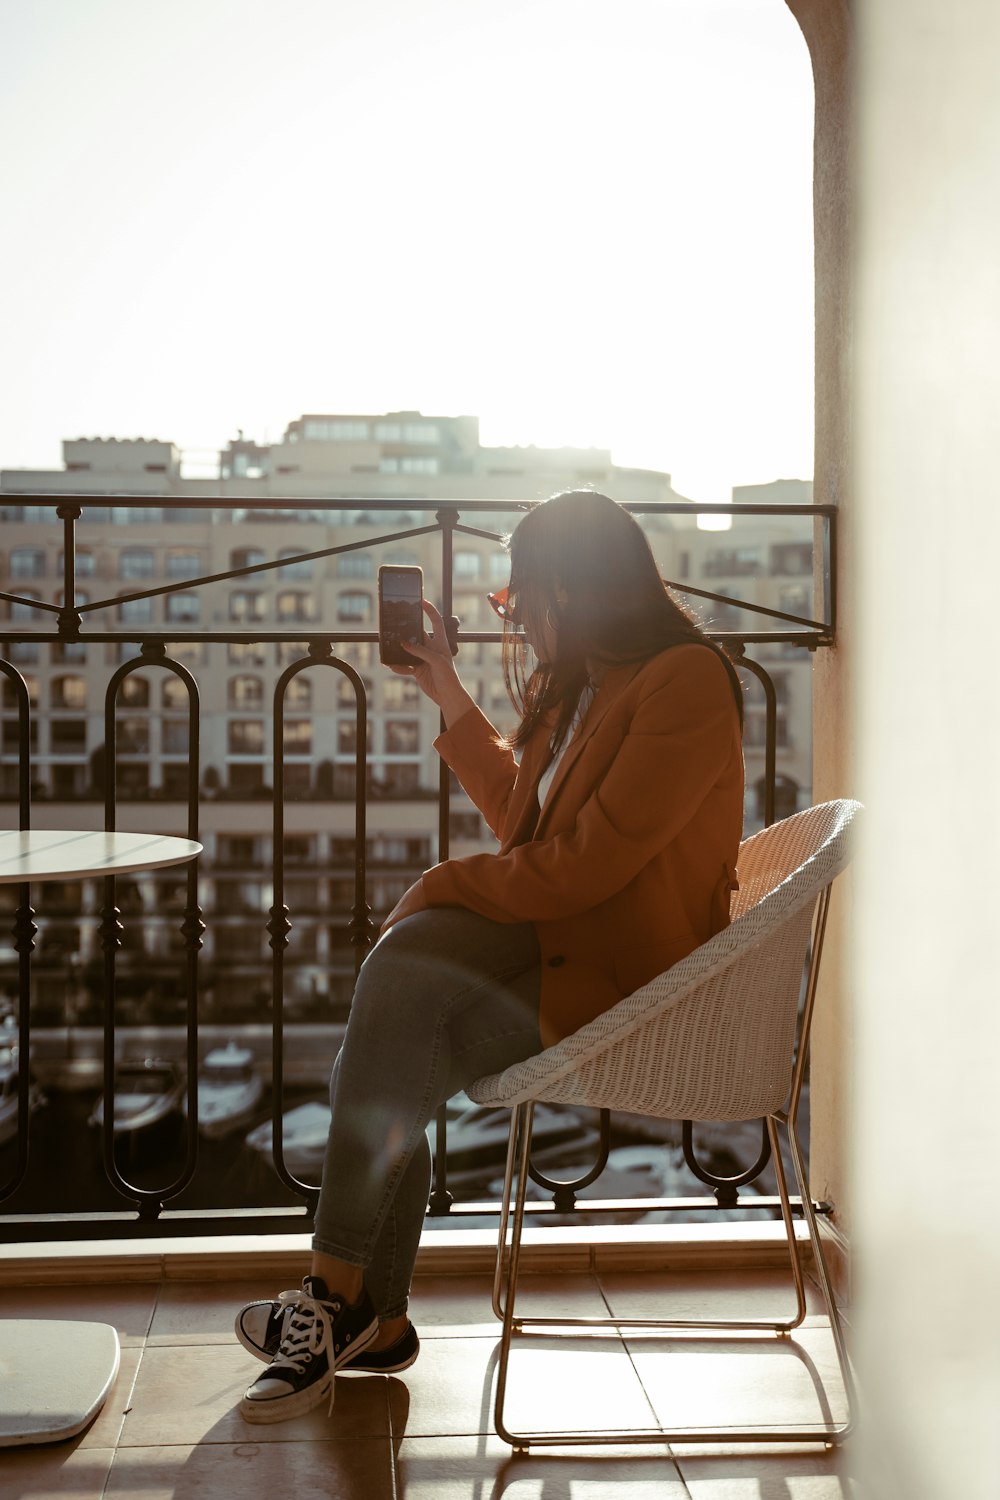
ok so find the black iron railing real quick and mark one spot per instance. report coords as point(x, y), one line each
point(145, 1209)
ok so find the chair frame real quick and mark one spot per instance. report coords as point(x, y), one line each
point(509, 1259)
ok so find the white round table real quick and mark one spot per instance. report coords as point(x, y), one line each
point(55, 1376)
point(72, 854)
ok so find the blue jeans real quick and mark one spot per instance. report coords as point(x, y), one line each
point(445, 997)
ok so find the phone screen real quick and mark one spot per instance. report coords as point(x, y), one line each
point(400, 617)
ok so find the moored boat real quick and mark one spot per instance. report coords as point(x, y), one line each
point(229, 1090)
point(147, 1091)
point(10, 1090)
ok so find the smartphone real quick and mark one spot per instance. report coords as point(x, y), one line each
point(400, 616)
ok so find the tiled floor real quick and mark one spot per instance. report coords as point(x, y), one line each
point(171, 1430)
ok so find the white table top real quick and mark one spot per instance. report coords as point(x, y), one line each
point(60, 854)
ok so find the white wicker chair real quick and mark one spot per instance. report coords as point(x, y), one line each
point(720, 1036)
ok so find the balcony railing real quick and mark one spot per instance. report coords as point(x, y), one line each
point(144, 1208)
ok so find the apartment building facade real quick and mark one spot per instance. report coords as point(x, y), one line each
point(247, 571)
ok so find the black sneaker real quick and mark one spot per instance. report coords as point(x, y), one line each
point(318, 1334)
point(260, 1325)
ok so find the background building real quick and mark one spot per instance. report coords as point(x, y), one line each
point(127, 550)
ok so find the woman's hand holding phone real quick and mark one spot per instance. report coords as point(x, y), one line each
point(433, 669)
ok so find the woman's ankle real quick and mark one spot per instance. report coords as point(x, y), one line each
point(390, 1330)
point(340, 1277)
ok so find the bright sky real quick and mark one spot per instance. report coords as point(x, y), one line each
point(584, 223)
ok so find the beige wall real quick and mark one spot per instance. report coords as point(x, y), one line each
point(927, 1211)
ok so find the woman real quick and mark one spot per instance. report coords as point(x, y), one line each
point(618, 835)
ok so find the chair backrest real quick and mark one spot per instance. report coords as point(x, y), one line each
point(714, 1037)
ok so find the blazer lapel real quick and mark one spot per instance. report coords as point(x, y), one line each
point(522, 814)
point(614, 681)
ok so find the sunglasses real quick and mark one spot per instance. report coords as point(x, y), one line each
point(502, 605)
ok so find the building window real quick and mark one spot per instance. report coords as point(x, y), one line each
point(732, 562)
point(499, 567)
point(64, 652)
point(247, 605)
point(173, 694)
point(347, 737)
point(791, 557)
point(26, 614)
point(188, 653)
point(302, 569)
point(300, 849)
point(246, 557)
point(133, 736)
point(80, 596)
point(466, 825)
point(27, 562)
point(297, 737)
point(247, 654)
point(755, 731)
point(386, 850)
point(68, 735)
point(356, 608)
point(175, 736)
point(68, 692)
point(795, 599)
point(345, 690)
point(299, 694)
point(9, 697)
point(246, 693)
point(326, 430)
point(246, 737)
point(399, 693)
point(355, 565)
point(295, 606)
point(136, 562)
point(409, 466)
point(402, 737)
point(134, 691)
point(183, 564)
point(183, 609)
point(466, 565)
point(288, 651)
point(86, 563)
point(238, 850)
point(135, 611)
point(407, 432)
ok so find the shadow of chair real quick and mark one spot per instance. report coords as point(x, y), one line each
point(723, 1036)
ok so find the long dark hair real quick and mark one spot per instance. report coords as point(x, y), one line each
point(617, 609)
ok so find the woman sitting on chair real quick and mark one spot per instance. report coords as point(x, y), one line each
point(618, 832)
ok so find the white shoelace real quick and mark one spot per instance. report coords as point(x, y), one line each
point(308, 1333)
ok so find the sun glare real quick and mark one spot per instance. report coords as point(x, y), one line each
point(585, 225)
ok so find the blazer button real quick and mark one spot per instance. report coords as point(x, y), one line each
point(556, 961)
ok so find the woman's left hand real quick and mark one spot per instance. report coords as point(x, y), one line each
point(408, 904)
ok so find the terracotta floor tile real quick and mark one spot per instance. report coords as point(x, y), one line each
point(57, 1471)
point(203, 1312)
point(106, 1429)
point(190, 1394)
point(461, 1306)
point(452, 1386)
point(787, 1475)
point(358, 1470)
point(745, 1382)
point(128, 1307)
point(687, 1294)
point(450, 1468)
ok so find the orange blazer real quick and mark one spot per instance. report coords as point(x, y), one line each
point(630, 864)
